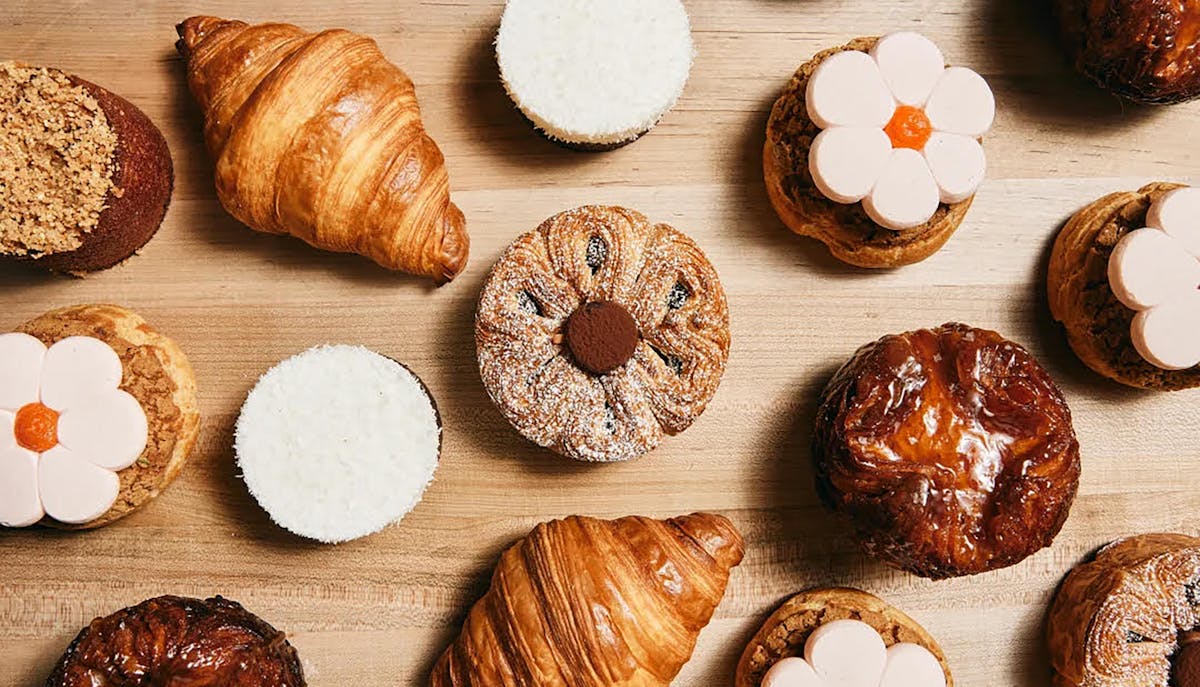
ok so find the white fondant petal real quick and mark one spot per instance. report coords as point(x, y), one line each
point(912, 665)
point(961, 103)
point(958, 164)
point(846, 89)
point(20, 505)
point(906, 195)
point(109, 430)
point(21, 357)
point(1178, 214)
point(792, 672)
point(847, 653)
point(77, 368)
point(911, 65)
point(1149, 267)
point(8, 438)
point(846, 162)
point(1168, 335)
point(73, 490)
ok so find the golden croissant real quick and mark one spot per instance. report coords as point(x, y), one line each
point(595, 603)
point(318, 136)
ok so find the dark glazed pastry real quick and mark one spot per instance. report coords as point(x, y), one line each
point(1144, 50)
point(950, 451)
point(598, 333)
point(86, 175)
point(177, 641)
point(1126, 617)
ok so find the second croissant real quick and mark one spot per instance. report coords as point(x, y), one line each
point(318, 136)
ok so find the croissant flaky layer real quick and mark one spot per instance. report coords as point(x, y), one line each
point(582, 602)
point(319, 136)
point(1116, 620)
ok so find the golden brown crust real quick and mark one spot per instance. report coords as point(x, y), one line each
point(319, 136)
point(1097, 324)
point(785, 632)
point(1115, 621)
point(583, 602)
point(586, 255)
point(157, 374)
point(850, 234)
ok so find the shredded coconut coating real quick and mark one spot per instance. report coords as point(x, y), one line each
point(57, 161)
point(549, 272)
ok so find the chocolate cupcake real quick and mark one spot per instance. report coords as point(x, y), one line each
point(598, 333)
point(87, 175)
point(950, 451)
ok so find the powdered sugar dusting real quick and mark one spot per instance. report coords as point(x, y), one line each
point(665, 282)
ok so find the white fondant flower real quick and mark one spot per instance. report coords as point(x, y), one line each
point(850, 653)
point(1156, 271)
point(900, 129)
point(65, 429)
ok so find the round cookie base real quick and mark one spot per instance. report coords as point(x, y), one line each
point(849, 233)
point(158, 375)
point(144, 177)
point(1096, 323)
point(788, 628)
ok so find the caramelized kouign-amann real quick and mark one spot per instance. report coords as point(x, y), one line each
point(951, 451)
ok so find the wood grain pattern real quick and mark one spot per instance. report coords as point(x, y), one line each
point(378, 611)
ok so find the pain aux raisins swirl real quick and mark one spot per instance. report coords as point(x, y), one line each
point(598, 333)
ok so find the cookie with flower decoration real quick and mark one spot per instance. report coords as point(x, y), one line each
point(98, 414)
point(875, 149)
point(1124, 281)
point(835, 637)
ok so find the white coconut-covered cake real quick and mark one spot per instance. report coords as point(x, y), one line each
point(338, 442)
point(594, 74)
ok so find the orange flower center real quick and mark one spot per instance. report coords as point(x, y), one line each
point(36, 427)
point(909, 128)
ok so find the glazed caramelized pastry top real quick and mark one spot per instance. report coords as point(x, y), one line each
point(318, 136)
point(1144, 50)
point(172, 641)
point(950, 450)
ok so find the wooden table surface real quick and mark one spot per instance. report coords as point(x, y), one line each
point(379, 610)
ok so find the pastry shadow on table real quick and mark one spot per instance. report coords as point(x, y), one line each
point(1022, 38)
point(496, 126)
point(225, 237)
